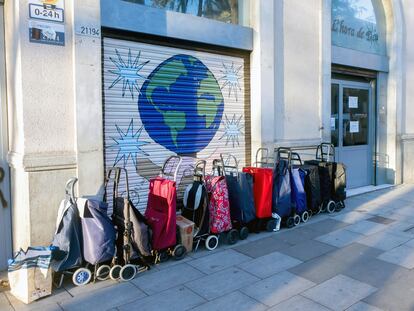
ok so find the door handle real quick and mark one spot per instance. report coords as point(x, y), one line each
point(2, 199)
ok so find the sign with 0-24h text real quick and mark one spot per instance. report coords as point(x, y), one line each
point(49, 10)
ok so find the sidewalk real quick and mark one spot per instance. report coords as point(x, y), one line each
point(360, 259)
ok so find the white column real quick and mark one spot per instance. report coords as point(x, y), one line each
point(87, 84)
point(262, 64)
point(41, 125)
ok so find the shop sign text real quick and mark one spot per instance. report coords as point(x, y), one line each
point(339, 26)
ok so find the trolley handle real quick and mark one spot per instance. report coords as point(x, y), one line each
point(70, 189)
point(114, 175)
point(325, 152)
point(284, 153)
point(177, 167)
point(217, 167)
point(230, 168)
point(200, 168)
point(296, 158)
point(264, 152)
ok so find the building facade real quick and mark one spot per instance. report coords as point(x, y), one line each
point(91, 84)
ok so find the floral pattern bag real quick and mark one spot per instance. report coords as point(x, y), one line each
point(219, 206)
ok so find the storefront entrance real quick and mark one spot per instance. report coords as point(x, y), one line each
point(352, 129)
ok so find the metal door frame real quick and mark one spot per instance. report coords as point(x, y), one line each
point(5, 218)
point(371, 122)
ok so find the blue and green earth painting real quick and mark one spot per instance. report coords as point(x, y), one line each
point(181, 104)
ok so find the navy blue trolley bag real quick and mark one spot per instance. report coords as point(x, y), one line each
point(297, 178)
point(312, 187)
point(241, 196)
point(282, 193)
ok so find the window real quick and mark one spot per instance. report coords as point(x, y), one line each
point(222, 10)
point(359, 25)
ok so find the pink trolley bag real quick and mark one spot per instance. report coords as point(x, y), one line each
point(219, 205)
point(161, 212)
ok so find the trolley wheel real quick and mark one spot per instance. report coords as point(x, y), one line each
point(163, 256)
point(115, 272)
point(244, 233)
point(82, 276)
point(127, 273)
point(322, 208)
point(270, 225)
point(232, 236)
point(296, 220)
point(212, 242)
point(290, 222)
point(102, 273)
point(331, 207)
point(305, 216)
point(179, 252)
point(340, 205)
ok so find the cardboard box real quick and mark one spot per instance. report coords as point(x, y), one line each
point(185, 230)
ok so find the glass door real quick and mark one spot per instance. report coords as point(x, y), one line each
point(351, 123)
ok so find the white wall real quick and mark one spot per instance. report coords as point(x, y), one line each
point(55, 118)
point(297, 114)
point(262, 64)
point(408, 93)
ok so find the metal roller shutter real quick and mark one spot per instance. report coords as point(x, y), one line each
point(161, 101)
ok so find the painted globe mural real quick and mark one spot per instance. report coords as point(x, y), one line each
point(181, 104)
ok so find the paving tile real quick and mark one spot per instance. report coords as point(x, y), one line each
point(351, 217)
point(296, 235)
point(308, 250)
point(401, 255)
point(161, 280)
point(384, 240)
point(327, 225)
point(269, 264)
point(318, 269)
point(277, 288)
point(171, 262)
point(221, 283)
point(77, 290)
point(174, 299)
point(216, 262)
point(234, 301)
point(349, 261)
point(381, 220)
point(373, 271)
point(366, 227)
point(201, 252)
point(43, 304)
point(410, 243)
point(4, 303)
point(261, 247)
point(339, 292)
point(402, 228)
point(298, 303)
point(403, 208)
point(354, 252)
point(362, 306)
point(103, 299)
point(340, 238)
point(396, 295)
